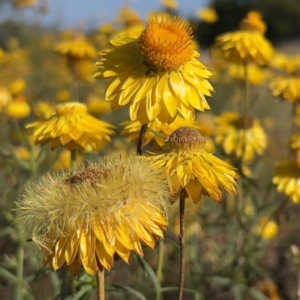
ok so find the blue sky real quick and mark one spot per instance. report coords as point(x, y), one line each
point(90, 13)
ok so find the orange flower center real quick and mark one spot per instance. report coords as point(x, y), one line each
point(71, 109)
point(167, 44)
point(186, 139)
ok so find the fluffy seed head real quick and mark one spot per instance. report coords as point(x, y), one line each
point(89, 217)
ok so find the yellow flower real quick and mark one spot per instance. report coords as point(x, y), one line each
point(22, 153)
point(89, 218)
point(132, 130)
point(208, 15)
point(208, 130)
point(5, 97)
point(287, 179)
point(269, 289)
point(290, 64)
point(86, 69)
point(254, 22)
point(247, 45)
point(268, 229)
point(295, 141)
point(64, 161)
point(189, 167)
point(256, 75)
point(287, 88)
point(106, 29)
point(18, 108)
point(128, 17)
point(170, 4)
point(132, 32)
point(43, 110)
point(72, 127)
point(96, 106)
point(77, 47)
point(17, 87)
point(157, 75)
point(25, 3)
point(235, 140)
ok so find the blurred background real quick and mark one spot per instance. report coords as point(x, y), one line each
point(227, 257)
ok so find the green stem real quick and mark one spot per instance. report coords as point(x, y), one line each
point(20, 271)
point(33, 162)
point(245, 125)
point(101, 285)
point(157, 133)
point(74, 159)
point(182, 245)
point(141, 139)
point(74, 65)
point(160, 265)
point(246, 105)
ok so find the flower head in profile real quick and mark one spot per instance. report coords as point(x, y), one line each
point(97, 214)
point(246, 45)
point(287, 179)
point(77, 47)
point(238, 141)
point(189, 167)
point(286, 88)
point(158, 74)
point(72, 127)
point(288, 63)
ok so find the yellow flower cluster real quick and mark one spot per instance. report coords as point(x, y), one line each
point(236, 140)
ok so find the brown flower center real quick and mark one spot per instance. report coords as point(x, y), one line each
point(88, 175)
point(186, 139)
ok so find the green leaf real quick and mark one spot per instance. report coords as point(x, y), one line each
point(257, 295)
point(223, 281)
point(151, 274)
point(82, 293)
point(239, 292)
point(125, 290)
point(8, 276)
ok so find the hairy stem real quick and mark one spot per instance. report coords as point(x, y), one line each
point(101, 285)
point(182, 246)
